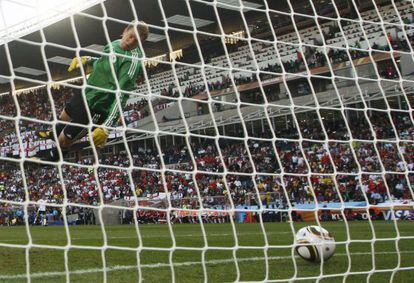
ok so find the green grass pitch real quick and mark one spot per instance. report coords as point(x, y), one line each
point(122, 259)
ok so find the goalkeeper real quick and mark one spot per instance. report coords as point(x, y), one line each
point(103, 106)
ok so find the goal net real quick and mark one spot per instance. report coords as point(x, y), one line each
point(245, 121)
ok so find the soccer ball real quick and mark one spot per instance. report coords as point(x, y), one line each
point(314, 243)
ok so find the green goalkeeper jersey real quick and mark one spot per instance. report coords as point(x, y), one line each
point(126, 71)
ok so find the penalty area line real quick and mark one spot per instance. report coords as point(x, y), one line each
point(165, 265)
point(158, 236)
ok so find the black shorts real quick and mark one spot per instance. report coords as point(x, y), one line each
point(76, 110)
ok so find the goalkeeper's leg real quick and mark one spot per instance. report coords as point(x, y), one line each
point(70, 139)
point(48, 134)
point(69, 136)
point(75, 112)
point(53, 154)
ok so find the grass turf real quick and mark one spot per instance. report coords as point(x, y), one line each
point(85, 265)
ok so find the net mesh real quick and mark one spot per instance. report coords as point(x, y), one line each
point(302, 112)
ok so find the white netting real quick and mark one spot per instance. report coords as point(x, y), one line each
point(266, 112)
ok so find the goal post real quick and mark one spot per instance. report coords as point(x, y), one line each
point(249, 120)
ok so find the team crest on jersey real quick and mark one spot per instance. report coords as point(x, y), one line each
point(113, 58)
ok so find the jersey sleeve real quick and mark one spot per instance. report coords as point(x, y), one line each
point(92, 60)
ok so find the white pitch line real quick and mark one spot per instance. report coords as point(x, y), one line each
point(185, 236)
point(161, 236)
point(165, 265)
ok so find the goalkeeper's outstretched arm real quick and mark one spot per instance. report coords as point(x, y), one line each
point(85, 60)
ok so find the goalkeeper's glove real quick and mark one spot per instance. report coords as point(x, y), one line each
point(99, 136)
point(74, 64)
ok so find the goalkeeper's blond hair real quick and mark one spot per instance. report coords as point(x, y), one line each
point(141, 29)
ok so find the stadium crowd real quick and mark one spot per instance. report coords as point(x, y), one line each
point(265, 159)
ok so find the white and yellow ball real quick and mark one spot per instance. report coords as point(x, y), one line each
point(314, 243)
